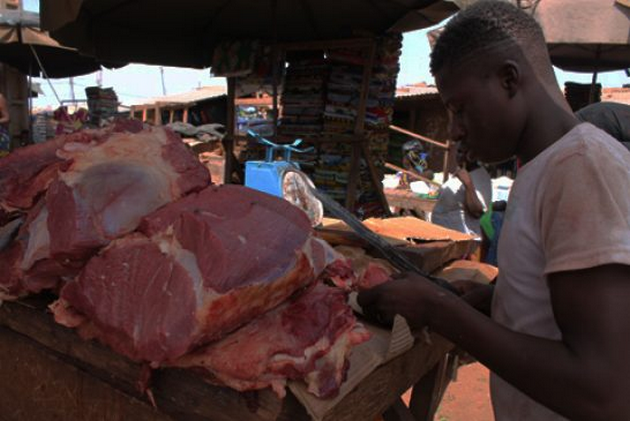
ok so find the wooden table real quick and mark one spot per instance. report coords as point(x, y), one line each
point(406, 199)
point(48, 372)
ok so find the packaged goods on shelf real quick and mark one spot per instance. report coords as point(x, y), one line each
point(102, 103)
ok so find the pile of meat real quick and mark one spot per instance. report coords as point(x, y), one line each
point(150, 258)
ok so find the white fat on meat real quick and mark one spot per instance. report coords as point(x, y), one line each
point(121, 179)
point(169, 245)
point(38, 245)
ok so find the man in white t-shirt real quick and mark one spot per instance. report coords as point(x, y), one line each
point(558, 341)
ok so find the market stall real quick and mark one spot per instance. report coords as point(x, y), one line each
point(55, 373)
point(338, 97)
point(225, 283)
point(240, 263)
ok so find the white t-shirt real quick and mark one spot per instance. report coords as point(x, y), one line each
point(449, 211)
point(569, 209)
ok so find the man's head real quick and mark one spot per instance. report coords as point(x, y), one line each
point(491, 66)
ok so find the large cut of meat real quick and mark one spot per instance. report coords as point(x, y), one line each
point(306, 337)
point(27, 172)
point(195, 270)
point(86, 190)
point(161, 266)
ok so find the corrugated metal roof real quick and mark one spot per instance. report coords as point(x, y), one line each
point(198, 95)
point(416, 90)
point(621, 95)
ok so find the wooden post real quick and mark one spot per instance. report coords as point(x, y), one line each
point(230, 129)
point(374, 177)
point(413, 119)
point(185, 117)
point(144, 114)
point(359, 129)
point(447, 159)
point(419, 137)
point(171, 115)
point(157, 118)
point(275, 81)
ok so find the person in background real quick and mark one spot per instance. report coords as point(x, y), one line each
point(464, 198)
point(414, 161)
point(491, 224)
point(558, 338)
point(611, 117)
point(5, 138)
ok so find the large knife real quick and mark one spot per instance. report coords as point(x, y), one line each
point(389, 252)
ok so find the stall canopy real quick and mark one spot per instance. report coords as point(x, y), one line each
point(184, 33)
point(34, 53)
point(582, 35)
point(586, 35)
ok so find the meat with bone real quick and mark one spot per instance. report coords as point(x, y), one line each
point(196, 269)
point(91, 187)
point(306, 337)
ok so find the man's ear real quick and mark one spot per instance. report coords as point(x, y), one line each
point(510, 77)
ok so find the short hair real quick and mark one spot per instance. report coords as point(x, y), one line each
point(484, 25)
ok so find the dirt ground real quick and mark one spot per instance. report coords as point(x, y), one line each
point(468, 398)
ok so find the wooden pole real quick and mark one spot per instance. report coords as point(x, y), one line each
point(275, 57)
point(447, 159)
point(419, 137)
point(374, 177)
point(592, 92)
point(228, 140)
point(157, 118)
point(411, 174)
point(359, 129)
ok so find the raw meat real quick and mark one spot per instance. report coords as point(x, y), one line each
point(85, 190)
point(27, 172)
point(152, 261)
point(110, 187)
point(196, 269)
point(306, 337)
point(357, 270)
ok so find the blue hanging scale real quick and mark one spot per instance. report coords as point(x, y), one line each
point(268, 175)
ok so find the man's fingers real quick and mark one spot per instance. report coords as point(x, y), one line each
point(463, 286)
point(399, 275)
point(366, 298)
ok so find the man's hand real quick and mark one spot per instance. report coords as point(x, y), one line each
point(464, 177)
point(410, 295)
point(472, 204)
point(476, 294)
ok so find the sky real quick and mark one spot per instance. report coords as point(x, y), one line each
point(136, 83)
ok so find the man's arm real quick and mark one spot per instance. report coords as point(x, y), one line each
point(472, 204)
point(585, 376)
